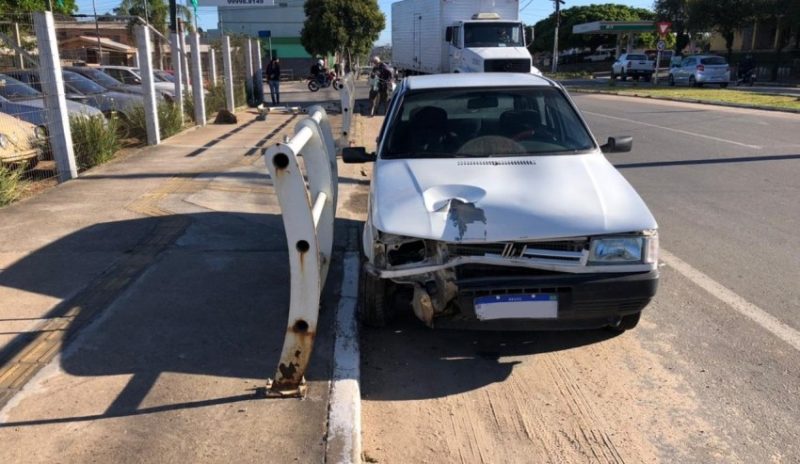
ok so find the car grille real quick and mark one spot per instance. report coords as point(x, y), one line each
point(522, 66)
point(570, 251)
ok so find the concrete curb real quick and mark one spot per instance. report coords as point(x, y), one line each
point(687, 100)
point(343, 445)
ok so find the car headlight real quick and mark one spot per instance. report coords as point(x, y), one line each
point(3, 141)
point(616, 250)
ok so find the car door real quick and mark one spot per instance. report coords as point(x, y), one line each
point(617, 66)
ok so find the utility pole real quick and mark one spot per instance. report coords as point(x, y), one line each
point(97, 31)
point(555, 39)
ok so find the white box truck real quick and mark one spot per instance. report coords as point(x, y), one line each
point(450, 36)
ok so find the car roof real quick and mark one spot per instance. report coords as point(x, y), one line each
point(448, 81)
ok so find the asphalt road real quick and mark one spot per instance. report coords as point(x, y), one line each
point(712, 373)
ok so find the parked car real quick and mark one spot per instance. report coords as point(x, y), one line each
point(600, 55)
point(25, 102)
point(103, 79)
point(698, 70)
point(491, 204)
point(82, 90)
point(20, 142)
point(131, 76)
point(635, 65)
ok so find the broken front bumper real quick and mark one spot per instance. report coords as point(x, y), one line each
point(584, 301)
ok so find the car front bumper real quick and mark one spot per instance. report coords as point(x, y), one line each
point(584, 301)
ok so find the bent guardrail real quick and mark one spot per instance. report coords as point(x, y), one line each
point(348, 94)
point(308, 213)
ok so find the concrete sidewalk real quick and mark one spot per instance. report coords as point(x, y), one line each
point(166, 273)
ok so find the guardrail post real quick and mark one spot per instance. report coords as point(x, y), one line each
point(197, 81)
point(148, 84)
point(308, 217)
point(230, 102)
point(55, 102)
point(348, 96)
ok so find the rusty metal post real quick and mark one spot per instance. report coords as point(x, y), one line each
point(308, 215)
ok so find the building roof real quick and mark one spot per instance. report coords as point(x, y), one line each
point(90, 42)
point(90, 26)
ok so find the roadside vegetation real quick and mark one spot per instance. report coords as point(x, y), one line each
point(712, 96)
point(95, 140)
point(10, 183)
point(170, 121)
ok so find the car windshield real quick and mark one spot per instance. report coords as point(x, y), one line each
point(157, 77)
point(13, 89)
point(714, 60)
point(493, 35)
point(82, 84)
point(637, 57)
point(164, 76)
point(101, 78)
point(484, 123)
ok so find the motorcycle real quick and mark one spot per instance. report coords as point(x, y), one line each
point(748, 78)
point(330, 81)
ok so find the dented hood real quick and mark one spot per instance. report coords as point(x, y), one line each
point(505, 199)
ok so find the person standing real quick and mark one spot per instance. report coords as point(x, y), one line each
point(384, 74)
point(274, 80)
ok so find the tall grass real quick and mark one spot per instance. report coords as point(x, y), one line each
point(214, 101)
point(240, 95)
point(10, 179)
point(170, 121)
point(94, 140)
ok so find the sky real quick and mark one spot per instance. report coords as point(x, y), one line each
point(532, 11)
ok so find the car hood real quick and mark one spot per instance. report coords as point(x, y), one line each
point(494, 53)
point(505, 199)
point(74, 108)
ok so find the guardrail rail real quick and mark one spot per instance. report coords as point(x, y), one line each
point(308, 212)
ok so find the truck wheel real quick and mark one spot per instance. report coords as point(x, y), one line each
point(626, 323)
point(623, 77)
point(375, 309)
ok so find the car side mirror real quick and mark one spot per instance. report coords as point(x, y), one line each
point(448, 34)
point(352, 155)
point(619, 144)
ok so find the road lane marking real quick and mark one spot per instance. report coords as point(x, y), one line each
point(742, 306)
point(679, 131)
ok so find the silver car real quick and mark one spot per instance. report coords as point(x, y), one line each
point(698, 70)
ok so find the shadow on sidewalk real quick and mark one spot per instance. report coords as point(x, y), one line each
point(204, 294)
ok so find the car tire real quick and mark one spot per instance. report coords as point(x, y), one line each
point(671, 80)
point(623, 77)
point(613, 76)
point(692, 82)
point(628, 322)
point(723, 86)
point(375, 309)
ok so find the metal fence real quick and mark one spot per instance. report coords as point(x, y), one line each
point(74, 92)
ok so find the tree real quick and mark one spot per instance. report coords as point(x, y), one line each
point(67, 7)
point(583, 14)
point(676, 12)
point(156, 13)
point(785, 15)
point(338, 25)
point(722, 16)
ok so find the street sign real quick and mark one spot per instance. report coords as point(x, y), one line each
point(661, 46)
point(264, 34)
point(663, 27)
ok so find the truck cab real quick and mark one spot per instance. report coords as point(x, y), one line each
point(487, 43)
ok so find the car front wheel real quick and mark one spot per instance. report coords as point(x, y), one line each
point(375, 309)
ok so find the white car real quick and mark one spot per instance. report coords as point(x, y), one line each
point(492, 205)
point(600, 55)
point(633, 65)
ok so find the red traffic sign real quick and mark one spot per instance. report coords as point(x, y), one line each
point(663, 27)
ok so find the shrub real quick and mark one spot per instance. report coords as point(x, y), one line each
point(9, 183)
point(170, 121)
point(215, 99)
point(240, 95)
point(94, 140)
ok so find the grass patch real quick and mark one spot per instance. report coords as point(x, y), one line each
point(170, 121)
point(94, 140)
point(10, 183)
point(560, 76)
point(712, 96)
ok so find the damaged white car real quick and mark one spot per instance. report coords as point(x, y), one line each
point(492, 206)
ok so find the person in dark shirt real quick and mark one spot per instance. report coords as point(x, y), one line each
point(384, 75)
point(274, 80)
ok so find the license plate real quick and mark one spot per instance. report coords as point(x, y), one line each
point(526, 306)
